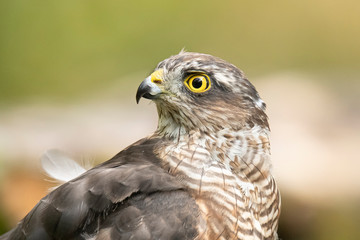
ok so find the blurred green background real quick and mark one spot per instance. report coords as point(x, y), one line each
point(70, 63)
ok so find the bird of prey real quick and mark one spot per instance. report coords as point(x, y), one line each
point(205, 173)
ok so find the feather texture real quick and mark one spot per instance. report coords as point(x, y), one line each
point(127, 197)
point(60, 166)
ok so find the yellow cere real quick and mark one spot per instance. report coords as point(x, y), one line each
point(198, 83)
point(157, 76)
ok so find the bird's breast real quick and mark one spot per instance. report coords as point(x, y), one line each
point(230, 203)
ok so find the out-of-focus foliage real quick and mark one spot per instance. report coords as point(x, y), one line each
point(316, 221)
point(66, 48)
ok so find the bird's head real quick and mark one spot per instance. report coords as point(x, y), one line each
point(194, 91)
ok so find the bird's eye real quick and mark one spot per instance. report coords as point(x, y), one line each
point(198, 83)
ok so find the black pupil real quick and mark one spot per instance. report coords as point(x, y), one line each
point(197, 83)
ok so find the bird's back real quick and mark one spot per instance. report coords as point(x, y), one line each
point(129, 196)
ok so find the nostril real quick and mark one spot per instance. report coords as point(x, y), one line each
point(157, 81)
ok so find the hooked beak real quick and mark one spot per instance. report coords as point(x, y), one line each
point(147, 89)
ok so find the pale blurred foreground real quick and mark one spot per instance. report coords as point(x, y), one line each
point(315, 141)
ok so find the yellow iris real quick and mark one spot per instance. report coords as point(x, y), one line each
point(198, 83)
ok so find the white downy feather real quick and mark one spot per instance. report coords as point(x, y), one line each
point(59, 166)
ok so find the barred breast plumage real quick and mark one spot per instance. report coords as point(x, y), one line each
point(228, 175)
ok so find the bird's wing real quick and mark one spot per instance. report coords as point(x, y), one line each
point(129, 196)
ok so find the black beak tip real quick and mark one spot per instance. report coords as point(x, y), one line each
point(141, 91)
point(138, 96)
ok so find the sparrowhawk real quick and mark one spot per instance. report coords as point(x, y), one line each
point(205, 173)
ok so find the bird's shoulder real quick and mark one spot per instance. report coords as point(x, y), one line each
point(128, 196)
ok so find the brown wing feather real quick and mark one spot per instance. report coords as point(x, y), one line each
point(128, 196)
